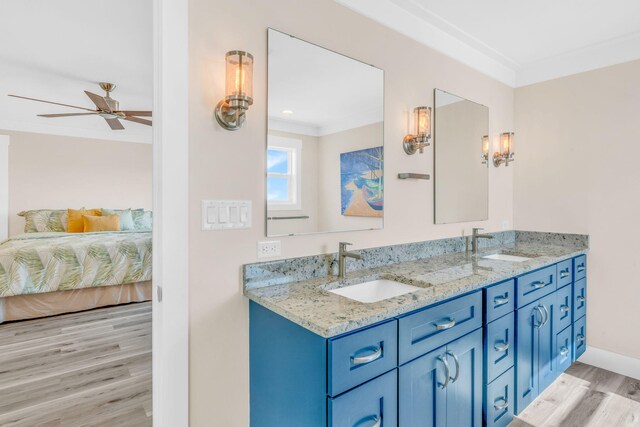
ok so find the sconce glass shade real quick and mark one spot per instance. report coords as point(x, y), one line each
point(485, 145)
point(506, 143)
point(422, 121)
point(239, 77)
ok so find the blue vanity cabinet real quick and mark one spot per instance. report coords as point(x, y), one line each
point(443, 387)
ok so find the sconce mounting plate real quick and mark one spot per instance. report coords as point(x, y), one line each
point(228, 117)
point(411, 145)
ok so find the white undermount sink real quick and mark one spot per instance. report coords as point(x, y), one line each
point(375, 290)
point(505, 257)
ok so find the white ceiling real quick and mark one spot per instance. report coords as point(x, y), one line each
point(54, 50)
point(517, 42)
point(325, 91)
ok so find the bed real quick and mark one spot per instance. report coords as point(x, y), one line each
point(49, 273)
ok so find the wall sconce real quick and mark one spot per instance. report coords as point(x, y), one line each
point(505, 155)
point(230, 111)
point(422, 123)
point(485, 150)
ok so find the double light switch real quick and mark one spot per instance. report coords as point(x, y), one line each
point(226, 214)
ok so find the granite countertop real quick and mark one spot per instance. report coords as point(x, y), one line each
point(309, 304)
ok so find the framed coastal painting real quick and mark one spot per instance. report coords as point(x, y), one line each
point(362, 182)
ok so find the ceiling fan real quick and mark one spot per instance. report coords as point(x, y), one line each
point(107, 108)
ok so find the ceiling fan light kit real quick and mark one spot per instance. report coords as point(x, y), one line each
point(106, 107)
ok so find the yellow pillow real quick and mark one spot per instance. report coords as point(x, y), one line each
point(75, 223)
point(94, 223)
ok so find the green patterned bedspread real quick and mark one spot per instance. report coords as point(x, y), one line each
point(46, 262)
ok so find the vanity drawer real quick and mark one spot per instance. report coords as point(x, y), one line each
point(563, 344)
point(499, 346)
point(565, 273)
point(579, 337)
point(579, 299)
point(500, 300)
point(499, 400)
point(372, 404)
point(428, 329)
point(563, 315)
point(580, 267)
point(536, 284)
point(358, 357)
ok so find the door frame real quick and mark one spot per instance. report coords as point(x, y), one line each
point(170, 334)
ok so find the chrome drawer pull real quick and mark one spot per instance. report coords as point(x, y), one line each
point(361, 360)
point(580, 298)
point(538, 285)
point(497, 302)
point(564, 308)
point(377, 421)
point(546, 315)
point(580, 337)
point(447, 325)
point(564, 351)
point(447, 372)
point(580, 268)
point(564, 273)
point(501, 347)
point(455, 359)
point(502, 406)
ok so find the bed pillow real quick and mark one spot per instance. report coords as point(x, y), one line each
point(143, 220)
point(126, 218)
point(44, 220)
point(93, 223)
point(75, 222)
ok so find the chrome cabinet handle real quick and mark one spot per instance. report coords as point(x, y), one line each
point(580, 298)
point(447, 373)
point(564, 351)
point(361, 360)
point(564, 273)
point(377, 421)
point(538, 285)
point(497, 302)
point(546, 315)
point(447, 325)
point(501, 347)
point(580, 268)
point(537, 310)
point(502, 406)
point(455, 359)
point(564, 308)
point(580, 337)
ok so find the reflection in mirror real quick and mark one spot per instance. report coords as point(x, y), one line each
point(325, 152)
point(461, 174)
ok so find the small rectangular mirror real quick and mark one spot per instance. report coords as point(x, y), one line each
point(461, 171)
point(325, 149)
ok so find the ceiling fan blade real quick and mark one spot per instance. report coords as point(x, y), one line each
point(99, 101)
point(67, 115)
point(136, 113)
point(115, 124)
point(138, 120)
point(50, 102)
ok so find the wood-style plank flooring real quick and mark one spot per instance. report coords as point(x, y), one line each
point(585, 396)
point(83, 369)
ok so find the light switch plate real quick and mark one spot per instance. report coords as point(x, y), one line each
point(226, 214)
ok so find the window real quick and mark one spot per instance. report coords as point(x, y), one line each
point(283, 173)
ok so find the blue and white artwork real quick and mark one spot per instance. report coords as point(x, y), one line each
point(362, 183)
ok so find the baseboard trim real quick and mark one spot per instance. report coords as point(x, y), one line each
point(614, 362)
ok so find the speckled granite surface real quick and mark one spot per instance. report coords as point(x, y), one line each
point(309, 304)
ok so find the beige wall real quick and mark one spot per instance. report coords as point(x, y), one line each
point(230, 165)
point(58, 172)
point(577, 147)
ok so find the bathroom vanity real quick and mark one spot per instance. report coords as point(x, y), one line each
point(479, 338)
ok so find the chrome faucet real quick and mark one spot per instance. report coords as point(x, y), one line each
point(342, 258)
point(474, 239)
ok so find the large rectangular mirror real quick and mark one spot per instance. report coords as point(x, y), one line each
point(325, 154)
point(461, 172)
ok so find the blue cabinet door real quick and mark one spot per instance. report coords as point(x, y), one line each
point(499, 401)
point(499, 347)
point(547, 366)
point(579, 337)
point(371, 404)
point(528, 319)
point(464, 391)
point(564, 344)
point(421, 393)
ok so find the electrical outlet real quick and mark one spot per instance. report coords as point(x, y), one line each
point(505, 224)
point(268, 249)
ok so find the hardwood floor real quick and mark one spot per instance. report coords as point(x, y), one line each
point(585, 396)
point(83, 369)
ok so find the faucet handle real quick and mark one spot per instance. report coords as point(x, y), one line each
point(345, 244)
